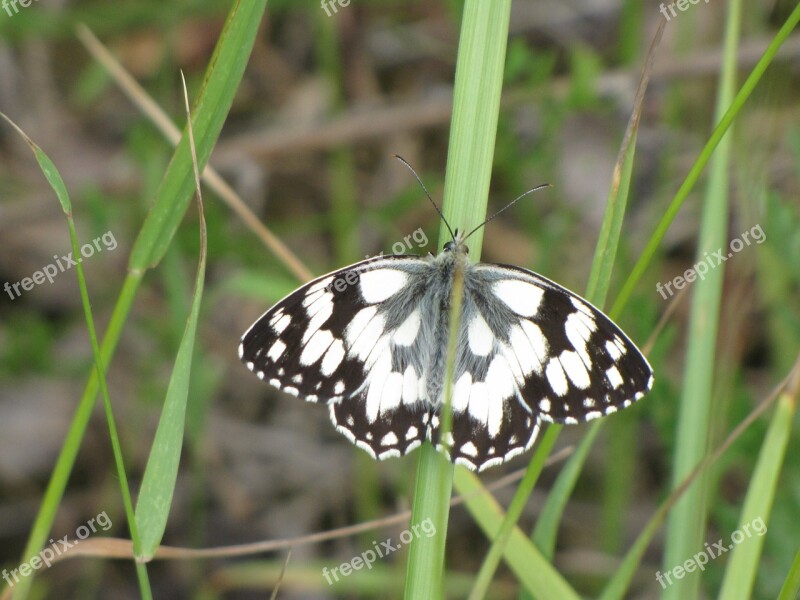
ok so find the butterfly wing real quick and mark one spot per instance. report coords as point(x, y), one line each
point(352, 339)
point(530, 350)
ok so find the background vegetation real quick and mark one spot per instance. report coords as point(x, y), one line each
point(315, 119)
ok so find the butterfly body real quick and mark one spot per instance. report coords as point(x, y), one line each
point(370, 340)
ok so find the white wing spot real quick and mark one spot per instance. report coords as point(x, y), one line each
point(315, 347)
point(407, 332)
point(380, 284)
point(556, 378)
point(392, 391)
point(544, 405)
point(358, 323)
point(409, 385)
point(411, 433)
point(469, 449)
point(500, 384)
point(298, 378)
point(281, 324)
point(522, 339)
point(461, 399)
point(376, 380)
point(614, 378)
point(363, 343)
point(589, 403)
point(481, 339)
point(578, 335)
point(291, 390)
point(390, 439)
point(575, 369)
point(521, 297)
point(320, 313)
point(333, 358)
point(612, 350)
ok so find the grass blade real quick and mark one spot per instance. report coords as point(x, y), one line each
point(500, 541)
point(705, 155)
point(742, 567)
point(161, 471)
point(216, 96)
point(687, 523)
point(222, 79)
point(57, 183)
point(476, 105)
point(791, 587)
point(530, 567)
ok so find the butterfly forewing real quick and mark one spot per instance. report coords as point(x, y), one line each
point(354, 339)
point(577, 364)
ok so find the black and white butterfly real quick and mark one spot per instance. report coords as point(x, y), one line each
point(369, 340)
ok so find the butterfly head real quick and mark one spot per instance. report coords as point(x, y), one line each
point(457, 244)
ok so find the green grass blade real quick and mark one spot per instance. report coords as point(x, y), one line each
point(742, 567)
point(161, 471)
point(515, 508)
point(248, 16)
point(532, 569)
point(617, 587)
point(544, 534)
point(610, 231)
point(476, 105)
point(52, 175)
point(222, 79)
point(791, 587)
point(686, 524)
point(705, 155)
point(546, 530)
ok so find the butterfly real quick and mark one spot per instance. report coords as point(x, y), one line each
point(370, 341)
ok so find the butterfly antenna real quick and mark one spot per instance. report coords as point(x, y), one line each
point(509, 205)
point(422, 185)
